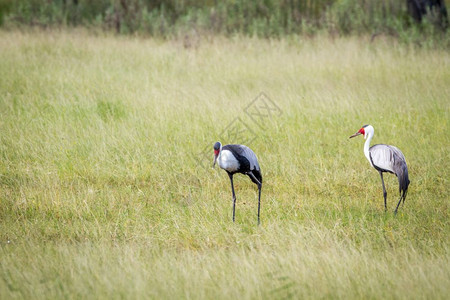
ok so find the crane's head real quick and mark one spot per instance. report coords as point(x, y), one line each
point(217, 149)
point(365, 130)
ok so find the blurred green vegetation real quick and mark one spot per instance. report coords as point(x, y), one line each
point(263, 18)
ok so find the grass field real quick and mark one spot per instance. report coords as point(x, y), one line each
point(104, 192)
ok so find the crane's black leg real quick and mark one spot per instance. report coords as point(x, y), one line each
point(259, 192)
point(402, 196)
point(234, 195)
point(399, 201)
point(384, 191)
point(259, 201)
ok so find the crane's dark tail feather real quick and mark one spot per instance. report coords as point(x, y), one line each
point(257, 175)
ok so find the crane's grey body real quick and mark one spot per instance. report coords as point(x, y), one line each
point(245, 152)
point(239, 159)
point(386, 158)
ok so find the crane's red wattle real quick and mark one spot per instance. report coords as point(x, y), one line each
point(216, 152)
point(362, 131)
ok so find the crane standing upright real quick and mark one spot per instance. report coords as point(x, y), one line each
point(386, 158)
point(239, 159)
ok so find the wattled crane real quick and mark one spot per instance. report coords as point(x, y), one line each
point(386, 158)
point(239, 159)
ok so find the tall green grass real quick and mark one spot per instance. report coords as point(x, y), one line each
point(101, 197)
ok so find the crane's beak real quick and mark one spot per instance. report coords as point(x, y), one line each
point(356, 134)
point(215, 159)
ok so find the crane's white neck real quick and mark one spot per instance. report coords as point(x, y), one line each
point(220, 151)
point(228, 161)
point(368, 136)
